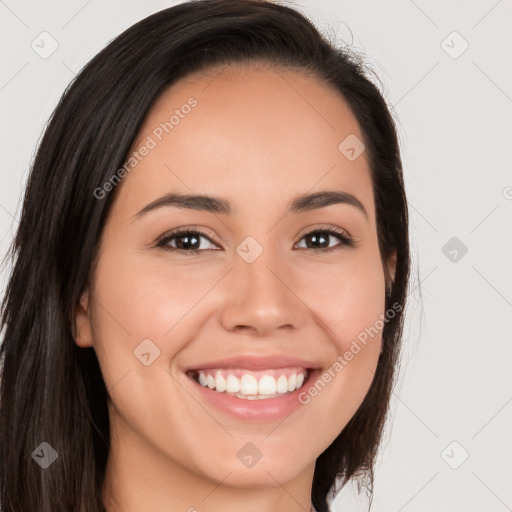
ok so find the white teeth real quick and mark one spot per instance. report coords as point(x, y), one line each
point(292, 380)
point(282, 384)
point(233, 384)
point(249, 387)
point(267, 385)
point(220, 383)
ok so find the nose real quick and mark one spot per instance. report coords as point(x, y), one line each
point(261, 297)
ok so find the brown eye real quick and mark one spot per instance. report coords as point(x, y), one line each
point(319, 239)
point(186, 240)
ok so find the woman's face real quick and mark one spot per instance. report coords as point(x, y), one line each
point(253, 285)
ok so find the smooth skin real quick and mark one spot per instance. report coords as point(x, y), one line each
point(258, 138)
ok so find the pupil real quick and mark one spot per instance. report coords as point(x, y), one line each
point(314, 238)
point(185, 242)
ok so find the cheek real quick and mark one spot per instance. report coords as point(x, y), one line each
point(150, 299)
point(135, 301)
point(348, 301)
point(347, 297)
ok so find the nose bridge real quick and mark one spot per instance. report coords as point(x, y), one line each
point(259, 296)
point(262, 275)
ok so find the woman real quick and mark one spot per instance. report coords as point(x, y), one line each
point(206, 303)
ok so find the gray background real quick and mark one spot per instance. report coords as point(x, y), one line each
point(454, 118)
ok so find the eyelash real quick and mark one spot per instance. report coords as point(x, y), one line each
point(346, 240)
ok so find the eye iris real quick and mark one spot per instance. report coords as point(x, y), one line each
point(315, 238)
point(186, 243)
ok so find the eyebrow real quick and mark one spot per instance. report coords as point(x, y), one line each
point(302, 203)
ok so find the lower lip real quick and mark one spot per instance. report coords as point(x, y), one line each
point(265, 409)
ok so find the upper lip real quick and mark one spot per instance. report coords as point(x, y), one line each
point(249, 362)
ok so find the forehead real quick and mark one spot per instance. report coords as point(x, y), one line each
point(248, 132)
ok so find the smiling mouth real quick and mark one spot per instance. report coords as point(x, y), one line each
point(249, 384)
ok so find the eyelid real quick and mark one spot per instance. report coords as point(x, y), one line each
point(345, 238)
point(187, 229)
point(321, 227)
